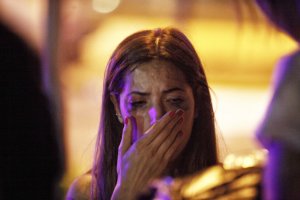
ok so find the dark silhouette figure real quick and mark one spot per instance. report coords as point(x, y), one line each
point(30, 162)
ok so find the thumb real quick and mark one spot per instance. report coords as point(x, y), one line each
point(126, 140)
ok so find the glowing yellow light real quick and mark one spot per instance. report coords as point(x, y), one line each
point(105, 6)
point(249, 161)
point(203, 182)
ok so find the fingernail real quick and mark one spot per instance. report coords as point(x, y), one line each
point(126, 120)
point(172, 113)
point(179, 112)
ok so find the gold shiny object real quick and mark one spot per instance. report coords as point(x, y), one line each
point(239, 177)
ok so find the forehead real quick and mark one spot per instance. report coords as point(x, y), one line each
point(153, 74)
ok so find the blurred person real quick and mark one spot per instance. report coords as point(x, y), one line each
point(280, 129)
point(30, 160)
point(31, 154)
point(157, 118)
point(22, 42)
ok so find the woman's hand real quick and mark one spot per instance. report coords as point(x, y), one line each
point(147, 158)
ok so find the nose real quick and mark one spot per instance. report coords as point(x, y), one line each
point(156, 112)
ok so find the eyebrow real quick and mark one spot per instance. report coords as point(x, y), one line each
point(147, 93)
point(173, 90)
point(138, 93)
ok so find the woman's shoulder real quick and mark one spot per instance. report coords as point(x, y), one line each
point(80, 189)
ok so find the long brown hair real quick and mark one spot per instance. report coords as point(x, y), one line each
point(173, 46)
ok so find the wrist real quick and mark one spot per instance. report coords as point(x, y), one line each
point(127, 190)
point(121, 192)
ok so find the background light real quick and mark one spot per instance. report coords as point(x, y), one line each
point(105, 6)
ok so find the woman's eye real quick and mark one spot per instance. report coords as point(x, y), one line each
point(137, 104)
point(176, 101)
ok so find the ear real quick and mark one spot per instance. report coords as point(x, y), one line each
point(114, 100)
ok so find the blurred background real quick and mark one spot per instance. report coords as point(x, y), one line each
point(236, 45)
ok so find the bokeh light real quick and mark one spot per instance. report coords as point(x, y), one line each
point(105, 6)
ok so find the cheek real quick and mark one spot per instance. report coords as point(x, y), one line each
point(142, 123)
point(123, 108)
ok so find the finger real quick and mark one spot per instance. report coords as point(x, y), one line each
point(167, 143)
point(167, 122)
point(165, 133)
point(174, 147)
point(126, 140)
point(161, 123)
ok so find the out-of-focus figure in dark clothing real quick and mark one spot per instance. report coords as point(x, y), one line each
point(280, 130)
point(30, 161)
